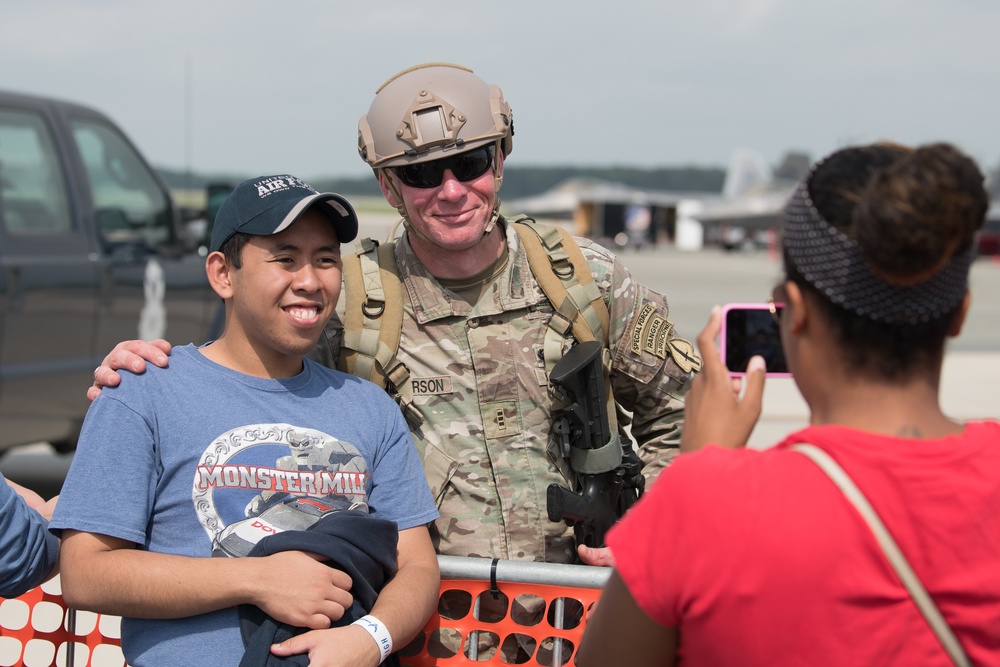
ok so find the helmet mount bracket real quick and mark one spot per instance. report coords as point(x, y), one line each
point(430, 122)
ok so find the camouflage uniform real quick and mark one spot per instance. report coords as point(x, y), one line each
point(479, 381)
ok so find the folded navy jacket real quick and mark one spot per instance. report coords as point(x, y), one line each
point(352, 541)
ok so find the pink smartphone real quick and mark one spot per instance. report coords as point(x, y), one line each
point(750, 329)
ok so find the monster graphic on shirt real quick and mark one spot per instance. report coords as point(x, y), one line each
point(262, 479)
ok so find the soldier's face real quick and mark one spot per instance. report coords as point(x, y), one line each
point(453, 214)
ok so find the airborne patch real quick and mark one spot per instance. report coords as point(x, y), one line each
point(431, 386)
point(684, 355)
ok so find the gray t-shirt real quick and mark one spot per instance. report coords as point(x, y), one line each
point(198, 459)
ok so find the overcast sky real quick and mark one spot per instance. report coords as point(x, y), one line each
point(252, 87)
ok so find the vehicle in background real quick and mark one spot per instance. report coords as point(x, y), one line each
point(92, 252)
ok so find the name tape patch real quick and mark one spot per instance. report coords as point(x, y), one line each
point(431, 386)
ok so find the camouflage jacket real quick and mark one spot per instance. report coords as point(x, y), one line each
point(487, 442)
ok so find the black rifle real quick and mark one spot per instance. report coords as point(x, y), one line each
point(609, 475)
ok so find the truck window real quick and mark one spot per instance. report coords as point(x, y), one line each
point(129, 204)
point(33, 198)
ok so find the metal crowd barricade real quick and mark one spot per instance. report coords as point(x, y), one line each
point(490, 612)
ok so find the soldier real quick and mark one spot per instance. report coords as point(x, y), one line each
point(477, 333)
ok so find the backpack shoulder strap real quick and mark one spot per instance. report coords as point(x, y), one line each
point(560, 268)
point(558, 264)
point(373, 319)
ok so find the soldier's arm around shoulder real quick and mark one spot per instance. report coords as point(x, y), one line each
point(652, 364)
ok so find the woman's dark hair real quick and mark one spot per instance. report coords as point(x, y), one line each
point(911, 211)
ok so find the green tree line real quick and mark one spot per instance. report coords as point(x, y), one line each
point(518, 181)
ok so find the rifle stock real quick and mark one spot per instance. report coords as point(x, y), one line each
point(609, 473)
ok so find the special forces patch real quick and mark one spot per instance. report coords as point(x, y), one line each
point(651, 334)
point(641, 324)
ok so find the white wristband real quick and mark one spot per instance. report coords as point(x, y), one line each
point(379, 633)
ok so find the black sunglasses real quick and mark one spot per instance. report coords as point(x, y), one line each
point(466, 166)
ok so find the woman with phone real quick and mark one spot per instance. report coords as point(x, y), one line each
point(770, 557)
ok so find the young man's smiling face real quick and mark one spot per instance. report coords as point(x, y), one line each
point(285, 291)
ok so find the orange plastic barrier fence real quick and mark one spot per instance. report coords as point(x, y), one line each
point(478, 623)
point(524, 624)
point(37, 630)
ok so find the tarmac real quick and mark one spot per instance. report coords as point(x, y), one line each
point(694, 281)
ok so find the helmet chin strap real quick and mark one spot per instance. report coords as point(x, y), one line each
point(497, 181)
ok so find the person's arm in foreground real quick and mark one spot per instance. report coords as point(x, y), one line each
point(619, 633)
point(108, 575)
point(28, 552)
point(129, 355)
point(403, 606)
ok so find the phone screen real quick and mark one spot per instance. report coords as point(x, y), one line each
point(748, 330)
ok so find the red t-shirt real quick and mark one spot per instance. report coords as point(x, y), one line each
point(758, 559)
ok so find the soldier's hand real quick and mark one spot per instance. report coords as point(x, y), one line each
point(714, 410)
point(601, 557)
point(130, 355)
point(294, 587)
point(347, 646)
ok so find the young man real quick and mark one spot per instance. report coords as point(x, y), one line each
point(243, 438)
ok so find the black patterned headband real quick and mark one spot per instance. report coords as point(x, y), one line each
point(833, 263)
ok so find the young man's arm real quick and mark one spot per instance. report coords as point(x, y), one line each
point(108, 575)
point(403, 607)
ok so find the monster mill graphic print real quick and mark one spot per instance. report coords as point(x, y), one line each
point(262, 479)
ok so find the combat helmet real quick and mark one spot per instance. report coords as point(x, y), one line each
point(432, 111)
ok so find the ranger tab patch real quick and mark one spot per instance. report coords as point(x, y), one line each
point(640, 325)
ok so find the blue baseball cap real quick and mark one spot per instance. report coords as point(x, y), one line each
point(268, 205)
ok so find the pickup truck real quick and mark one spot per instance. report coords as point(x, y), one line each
point(92, 252)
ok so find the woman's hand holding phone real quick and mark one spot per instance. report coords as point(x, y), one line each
point(714, 409)
point(752, 329)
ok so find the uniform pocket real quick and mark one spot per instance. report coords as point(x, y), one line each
point(439, 469)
